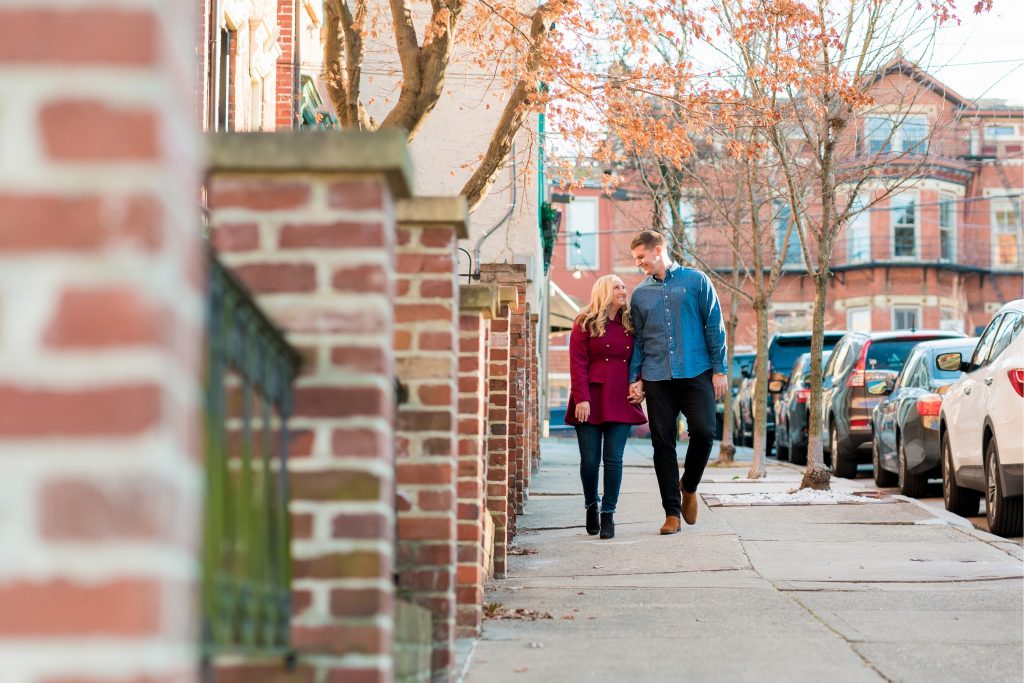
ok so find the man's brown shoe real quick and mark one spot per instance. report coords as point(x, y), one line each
point(671, 525)
point(690, 507)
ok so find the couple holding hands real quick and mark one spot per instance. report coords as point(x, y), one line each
point(666, 343)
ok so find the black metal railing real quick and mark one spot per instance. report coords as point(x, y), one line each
point(249, 372)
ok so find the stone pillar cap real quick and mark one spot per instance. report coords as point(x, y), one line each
point(483, 298)
point(435, 211)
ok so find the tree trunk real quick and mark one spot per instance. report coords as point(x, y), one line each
point(760, 400)
point(726, 449)
point(816, 475)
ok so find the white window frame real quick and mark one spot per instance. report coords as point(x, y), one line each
point(858, 232)
point(914, 197)
point(950, 319)
point(998, 136)
point(903, 308)
point(793, 256)
point(572, 226)
point(948, 199)
point(854, 311)
point(998, 205)
point(896, 141)
point(687, 216)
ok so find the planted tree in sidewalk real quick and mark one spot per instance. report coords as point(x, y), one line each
point(808, 72)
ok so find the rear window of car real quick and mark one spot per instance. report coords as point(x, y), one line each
point(783, 354)
point(891, 354)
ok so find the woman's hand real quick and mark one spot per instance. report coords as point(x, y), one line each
point(583, 411)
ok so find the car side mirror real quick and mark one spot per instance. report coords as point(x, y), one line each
point(775, 386)
point(745, 371)
point(950, 362)
point(878, 387)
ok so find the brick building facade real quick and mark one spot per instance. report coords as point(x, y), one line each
point(945, 251)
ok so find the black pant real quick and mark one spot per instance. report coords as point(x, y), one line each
point(694, 397)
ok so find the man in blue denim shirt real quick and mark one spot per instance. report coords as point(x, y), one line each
point(678, 362)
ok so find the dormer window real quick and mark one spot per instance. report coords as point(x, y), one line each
point(907, 134)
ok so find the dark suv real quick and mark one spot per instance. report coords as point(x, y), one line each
point(847, 406)
point(783, 350)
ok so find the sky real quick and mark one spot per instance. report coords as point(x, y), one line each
point(984, 55)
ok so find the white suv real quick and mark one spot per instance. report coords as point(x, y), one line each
point(981, 425)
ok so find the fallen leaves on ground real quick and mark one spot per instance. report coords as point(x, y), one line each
point(518, 550)
point(495, 610)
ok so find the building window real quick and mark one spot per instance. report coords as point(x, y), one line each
point(582, 238)
point(783, 218)
point(906, 317)
point(904, 225)
point(1006, 233)
point(1000, 132)
point(858, 319)
point(687, 238)
point(858, 235)
point(950, 320)
point(947, 227)
point(885, 134)
point(223, 116)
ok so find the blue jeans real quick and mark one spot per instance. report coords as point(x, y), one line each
point(602, 441)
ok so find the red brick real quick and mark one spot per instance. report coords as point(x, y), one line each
point(115, 411)
point(335, 485)
point(358, 443)
point(125, 607)
point(435, 395)
point(424, 420)
point(331, 320)
point(354, 675)
point(437, 288)
point(435, 501)
point(362, 526)
point(437, 237)
point(355, 195)
point(363, 358)
point(340, 639)
point(437, 446)
point(423, 528)
point(337, 235)
point(428, 581)
point(341, 402)
point(422, 473)
point(45, 222)
point(236, 237)
point(301, 600)
point(471, 323)
point(411, 313)
point(402, 340)
point(436, 341)
point(360, 602)
point(273, 278)
point(77, 509)
point(103, 318)
point(85, 130)
point(365, 278)
point(92, 35)
point(261, 195)
point(356, 564)
point(302, 525)
point(424, 263)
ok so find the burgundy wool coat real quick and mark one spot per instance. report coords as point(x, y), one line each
point(599, 372)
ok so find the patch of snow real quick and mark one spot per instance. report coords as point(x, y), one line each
point(802, 496)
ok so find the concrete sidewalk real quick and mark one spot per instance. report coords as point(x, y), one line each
point(883, 591)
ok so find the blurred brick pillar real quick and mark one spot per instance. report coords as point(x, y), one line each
point(477, 306)
point(101, 319)
point(426, 347)
point(535, 412)
point(307, 221)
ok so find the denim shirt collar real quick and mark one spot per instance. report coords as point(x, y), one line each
point(669, 271)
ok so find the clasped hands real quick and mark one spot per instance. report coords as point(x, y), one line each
point(636, 392)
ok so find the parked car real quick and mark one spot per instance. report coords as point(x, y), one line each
point(846, 404)
point(783, 350)
point(981, 425)
point(791, 409)
point(739, 361)
point(905, 425)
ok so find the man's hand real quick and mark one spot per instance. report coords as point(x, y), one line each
point(721, 384)
point(583, 411)
point(636, 392)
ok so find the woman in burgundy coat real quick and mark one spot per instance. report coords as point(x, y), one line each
point(600, 347)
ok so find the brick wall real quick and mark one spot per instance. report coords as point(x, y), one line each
point(100, 328)
point(477, 305)
point(534, 399)
point(284, 101)
point(307, 220)
point(426, 342)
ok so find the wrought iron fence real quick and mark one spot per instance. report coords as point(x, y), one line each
point(250, 368)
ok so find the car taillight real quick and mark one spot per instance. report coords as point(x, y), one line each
point(929, 406)
point(1017, 380)
point(858, 424)
point(857, 374)
point(803, 395)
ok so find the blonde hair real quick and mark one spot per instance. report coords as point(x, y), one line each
point(593, 317)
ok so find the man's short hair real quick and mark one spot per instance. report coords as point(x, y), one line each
point(648, 238)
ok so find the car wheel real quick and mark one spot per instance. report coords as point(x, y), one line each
point(957, 499)
point(912, 485)
point(1005, 515)
point(883, 478)
point(798, 455)
point(843, 463)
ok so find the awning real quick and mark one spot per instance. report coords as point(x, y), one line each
point(561, 309)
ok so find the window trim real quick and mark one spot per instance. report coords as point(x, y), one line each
point(948, 199)
point(893, 142)
point(907, 307)
point(915, 195)
point(571, 233)
point(995, 204)
point(860, 221)
point(857, 309)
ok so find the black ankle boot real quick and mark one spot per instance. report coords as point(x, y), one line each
point(593, 524)
point(607, 525)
